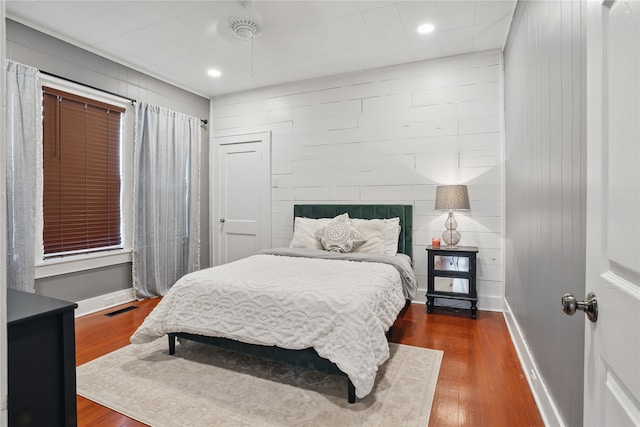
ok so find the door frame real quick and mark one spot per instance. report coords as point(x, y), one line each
point(264, 138)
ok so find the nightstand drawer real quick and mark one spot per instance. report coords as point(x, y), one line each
point(451, 285)
point(451, 263)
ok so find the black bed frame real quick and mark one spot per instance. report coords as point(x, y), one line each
point(309, 358)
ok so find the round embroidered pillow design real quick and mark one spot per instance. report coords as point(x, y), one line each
point(337, 233)
point(340, 236)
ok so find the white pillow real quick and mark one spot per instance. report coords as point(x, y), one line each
point(379, 232)
point(391, 235)
point(339, 235)
point(304, 231)
point(373, 231)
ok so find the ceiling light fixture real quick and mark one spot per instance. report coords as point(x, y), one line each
point(426, 28)
point(246, 27)
point(214, 73)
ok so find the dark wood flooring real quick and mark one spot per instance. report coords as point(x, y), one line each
point(481, 382)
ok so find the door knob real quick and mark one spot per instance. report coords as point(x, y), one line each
point(589, 306)
point(222, 220)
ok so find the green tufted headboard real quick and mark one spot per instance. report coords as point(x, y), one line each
point(404, 212)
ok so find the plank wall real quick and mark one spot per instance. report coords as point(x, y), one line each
point(389, 135)
point(545, 191)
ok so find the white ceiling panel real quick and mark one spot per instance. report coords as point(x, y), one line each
point(456, 20)
point(382, 16)
point(178, 41)
point(484, 35)
point(492, 12)
point(445, 7)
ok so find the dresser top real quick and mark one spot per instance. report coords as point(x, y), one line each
point(22, 306)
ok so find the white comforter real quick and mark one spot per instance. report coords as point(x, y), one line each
point(340, 308)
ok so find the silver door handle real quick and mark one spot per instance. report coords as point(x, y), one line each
point(589, 305)
point(222, 220)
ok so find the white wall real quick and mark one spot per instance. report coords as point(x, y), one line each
point(388, 135)
point(545, 199)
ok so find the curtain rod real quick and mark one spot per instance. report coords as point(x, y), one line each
point(133, 101)
point(89, 86)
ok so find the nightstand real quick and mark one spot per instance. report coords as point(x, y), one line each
point(451, 273)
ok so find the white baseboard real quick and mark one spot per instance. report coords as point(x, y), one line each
point(490, 303)
point(420, 296)
point(103, 302)
point(548, 410)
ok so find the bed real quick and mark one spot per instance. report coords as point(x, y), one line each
point(311, 307)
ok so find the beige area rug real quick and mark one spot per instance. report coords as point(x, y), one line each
point(203, 385)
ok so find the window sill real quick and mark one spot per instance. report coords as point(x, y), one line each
point(73, 264)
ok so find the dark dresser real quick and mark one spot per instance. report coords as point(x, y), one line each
point(41, 360)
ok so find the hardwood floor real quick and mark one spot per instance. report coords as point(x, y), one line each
point(97, 335)
point(481, 382)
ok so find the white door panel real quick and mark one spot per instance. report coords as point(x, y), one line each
point(242, 219)
point(241, 169)
point(237, 246)
point(612, 344)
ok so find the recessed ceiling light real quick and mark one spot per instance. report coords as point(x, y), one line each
point(214, 73)
point(426, 28)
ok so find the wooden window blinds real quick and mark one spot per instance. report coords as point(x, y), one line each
point(81, 162)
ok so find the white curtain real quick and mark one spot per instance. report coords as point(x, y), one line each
point(23, 124)
point(166, 227)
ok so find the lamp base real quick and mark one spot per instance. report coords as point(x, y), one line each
point(450, 236)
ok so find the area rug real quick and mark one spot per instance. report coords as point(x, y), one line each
point(203, 385)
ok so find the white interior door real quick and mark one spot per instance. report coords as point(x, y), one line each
point(242, 220)
point(612, 344)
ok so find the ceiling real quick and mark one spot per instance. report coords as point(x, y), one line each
point(179, 41)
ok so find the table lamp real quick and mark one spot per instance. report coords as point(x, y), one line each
point(451, 197)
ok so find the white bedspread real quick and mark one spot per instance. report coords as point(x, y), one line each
point(340, 308)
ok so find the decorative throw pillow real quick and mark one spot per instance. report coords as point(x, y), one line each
point(340, 236)
point(304, 230)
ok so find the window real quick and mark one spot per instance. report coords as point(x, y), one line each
point(81, 171)
point(86, 160)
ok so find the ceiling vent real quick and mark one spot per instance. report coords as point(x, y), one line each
point(245, 27)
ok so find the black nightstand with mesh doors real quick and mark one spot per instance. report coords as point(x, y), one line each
point(451, 274)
